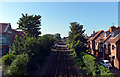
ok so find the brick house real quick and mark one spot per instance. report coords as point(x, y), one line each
point(91, 42)
point(106, 45)
point(7, 37)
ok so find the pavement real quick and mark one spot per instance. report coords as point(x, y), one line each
point(0, 70)
point(115, 71)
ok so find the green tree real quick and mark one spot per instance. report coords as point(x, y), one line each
point(50, 35)
point(37, 49)
point(90, 65)
point(57, 37)
point(77, 38)
point(30, 24)
point(76, 34)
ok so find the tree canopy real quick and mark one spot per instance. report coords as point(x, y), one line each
point(30, 24)
point(57, 37)
point(76, 34)
point(76, 38)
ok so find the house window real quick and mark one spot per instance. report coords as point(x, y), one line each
point(6, 50)
point(113, 47)
point(95, 43)
point(101, 47)
point(113, 57)
point(9, 32)
point(105, 47)
point(4, 39)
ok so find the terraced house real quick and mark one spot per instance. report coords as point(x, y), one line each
point(7, 37)
point(106, 45)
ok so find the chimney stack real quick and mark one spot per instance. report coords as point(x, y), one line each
point(93, 32)
point(112, 28)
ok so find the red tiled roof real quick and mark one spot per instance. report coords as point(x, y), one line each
point(3, 26)
point(113, 39)
point(96, 38)
point(117, 27)
point(113, 26)
point(116, 30)
point(22, 32)
point(17, 33)
point(107, 37)
point(98, 33)
point(107, 31)
point(100, 37)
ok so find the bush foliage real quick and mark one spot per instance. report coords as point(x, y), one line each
point(7, 59)
point(90, 65)
point(87, 63)
point(18, 66)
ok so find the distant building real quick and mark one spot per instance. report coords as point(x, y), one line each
point(106, 45)
point(7, 37)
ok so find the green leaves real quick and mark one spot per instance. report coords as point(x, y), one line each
point(57, 37)
point(87, 63)
point(30, 24)
point(18, 66)
point(37, 49)
point(7, 59)
point(104, 71)
point(90, 65)
point(76, 34)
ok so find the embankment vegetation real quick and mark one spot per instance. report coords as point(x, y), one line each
point(77, 41)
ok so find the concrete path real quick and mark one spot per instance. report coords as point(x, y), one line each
point(115, 71)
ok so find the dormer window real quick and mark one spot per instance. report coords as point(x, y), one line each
point(105, 34)
point(112, 34)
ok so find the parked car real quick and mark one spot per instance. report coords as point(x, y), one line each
point(106, 63)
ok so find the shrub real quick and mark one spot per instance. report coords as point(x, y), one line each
point(104, 71)
point(18, 66)
point(87, 63)
point(79, 48)
point(79, 63)
point(7, 59)
point(90, 65)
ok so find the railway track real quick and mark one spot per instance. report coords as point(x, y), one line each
point(72, 70)
point(61, 65)
point(52, 65)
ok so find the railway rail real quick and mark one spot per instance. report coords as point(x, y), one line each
point(61, 65)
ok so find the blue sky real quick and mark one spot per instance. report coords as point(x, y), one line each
point(56, 16)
